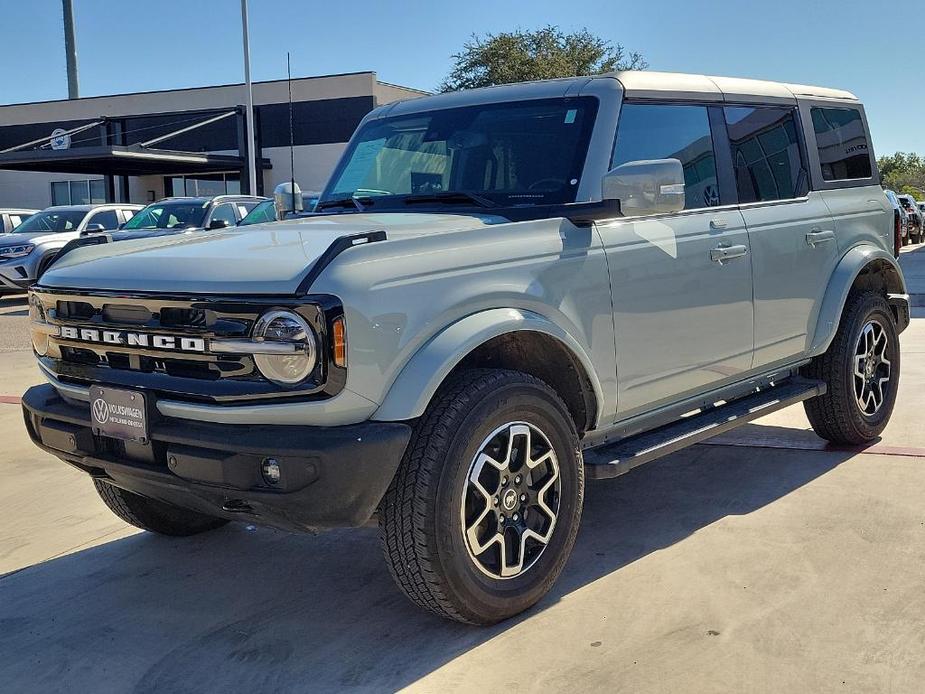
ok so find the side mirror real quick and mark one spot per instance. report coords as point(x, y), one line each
point(219, 224)
point(653, 186)
point(92, 229)
point(287, 199)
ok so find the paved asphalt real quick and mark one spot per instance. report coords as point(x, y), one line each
point(14, 324)
point(764, 562)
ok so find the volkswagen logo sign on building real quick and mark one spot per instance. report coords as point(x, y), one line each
point(60, 139)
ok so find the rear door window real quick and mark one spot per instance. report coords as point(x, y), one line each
point(225, 211)
point(766, 153)
point(842, 143)
point(671, 131)
point(107, 218)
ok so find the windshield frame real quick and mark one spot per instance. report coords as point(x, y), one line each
point(503, 200)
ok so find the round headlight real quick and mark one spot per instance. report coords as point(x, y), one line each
point(285, 329)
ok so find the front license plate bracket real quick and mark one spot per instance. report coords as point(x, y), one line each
point(119, 414)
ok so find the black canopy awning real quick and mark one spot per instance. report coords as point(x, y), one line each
point(114, 160)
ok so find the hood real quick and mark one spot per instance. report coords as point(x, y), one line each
point(35, 237)
point(257, 259)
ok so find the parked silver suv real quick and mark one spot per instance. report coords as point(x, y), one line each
point(29, 249)
point(514, 289)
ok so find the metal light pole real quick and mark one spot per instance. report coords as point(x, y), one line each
point(70, 49)
point(251, 154)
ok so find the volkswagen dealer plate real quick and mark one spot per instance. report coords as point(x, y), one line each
point(119, 414)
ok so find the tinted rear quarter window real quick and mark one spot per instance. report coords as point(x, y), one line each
point(766, 153)
point(669, 131)
point(844, 152)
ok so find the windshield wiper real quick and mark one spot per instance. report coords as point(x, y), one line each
point(450, 197)
point(359, 204)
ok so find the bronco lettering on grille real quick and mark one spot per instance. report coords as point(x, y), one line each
point(132, 339)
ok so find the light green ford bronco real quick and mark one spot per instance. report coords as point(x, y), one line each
point(504, 292)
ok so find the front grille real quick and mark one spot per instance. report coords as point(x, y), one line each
point(153, 317)
point(193, 373)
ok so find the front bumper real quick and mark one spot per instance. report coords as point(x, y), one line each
point(11, 277)
point(330, 476)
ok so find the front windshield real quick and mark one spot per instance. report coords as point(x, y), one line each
point(169, 215)
point(264, 212)
point(51, 221)
point(519, 153)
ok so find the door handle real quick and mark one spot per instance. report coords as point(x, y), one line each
point(817, 236)
point(721, 254)
point(718, 223)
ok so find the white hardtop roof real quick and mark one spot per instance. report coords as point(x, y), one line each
point(644, 83)
point(635, 84)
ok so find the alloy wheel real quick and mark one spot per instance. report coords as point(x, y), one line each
point(872, 368)
point(511, 500)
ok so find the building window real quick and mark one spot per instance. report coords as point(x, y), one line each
point(78, 192)
point(211, 184)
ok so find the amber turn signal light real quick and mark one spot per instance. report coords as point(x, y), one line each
point(340, 342)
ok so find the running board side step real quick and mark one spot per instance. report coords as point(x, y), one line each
point(611, 460)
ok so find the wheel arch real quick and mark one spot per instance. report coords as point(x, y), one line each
point(862, 268)
point(498, 338)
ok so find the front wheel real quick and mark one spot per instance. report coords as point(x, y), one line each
point(484, 509)
point(861, 371)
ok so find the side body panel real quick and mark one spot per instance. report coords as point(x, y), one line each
point(794, 251)
point(861, 216)
point(683, 321)
point(400, 295)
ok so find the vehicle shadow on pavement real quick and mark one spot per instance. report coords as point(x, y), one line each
point(262, 610)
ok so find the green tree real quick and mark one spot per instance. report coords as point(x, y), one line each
point(903, 172)
point(521, 56)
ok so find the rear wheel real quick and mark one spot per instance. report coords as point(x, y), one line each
point(861, 370)
point(484, 509)
point(152, 515)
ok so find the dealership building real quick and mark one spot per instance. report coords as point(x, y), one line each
point(144, 146)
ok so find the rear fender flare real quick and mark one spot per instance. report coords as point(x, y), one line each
point(836, 295)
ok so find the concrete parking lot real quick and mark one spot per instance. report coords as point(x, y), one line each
point(764, 561)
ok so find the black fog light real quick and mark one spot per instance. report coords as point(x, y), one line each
point(270, 471)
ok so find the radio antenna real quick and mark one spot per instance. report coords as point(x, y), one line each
point(291, 135)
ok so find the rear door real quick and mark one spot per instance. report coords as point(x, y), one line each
point(844, 171)
point(682, 283)
point(108, 219)
point(790, 229)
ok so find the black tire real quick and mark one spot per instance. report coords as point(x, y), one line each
point(421, 516)
point(154, 516)
point(837, 415)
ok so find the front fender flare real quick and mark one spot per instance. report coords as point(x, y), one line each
point(417, 382)
point(836, 294)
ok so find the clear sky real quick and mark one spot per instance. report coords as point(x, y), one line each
point(141, 45)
